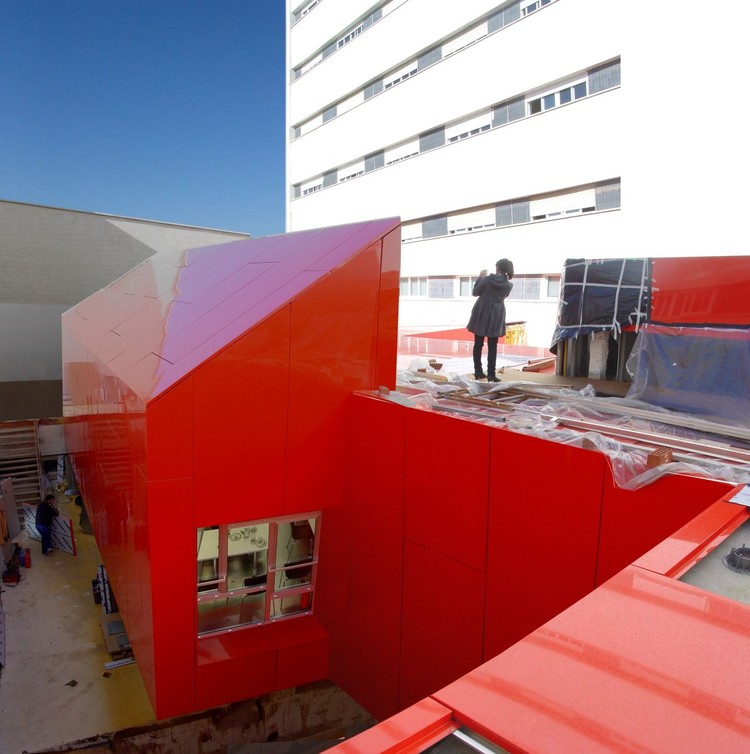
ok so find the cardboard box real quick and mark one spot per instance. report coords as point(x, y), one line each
point(113, 630)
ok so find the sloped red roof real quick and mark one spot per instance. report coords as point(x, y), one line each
point(165, 317)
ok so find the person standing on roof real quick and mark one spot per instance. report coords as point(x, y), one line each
point(45, 512)
point(487, 318)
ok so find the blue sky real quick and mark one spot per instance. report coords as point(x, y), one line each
point(167, 110)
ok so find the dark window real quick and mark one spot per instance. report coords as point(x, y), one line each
point(565, 95)
point(579, 90)
point(432, 139)
point(330, 178)
point(372, 89)
point(329, 50)
point(549, 101)
point(508, 111)
point(608, 196)
point(435, 226)
point(429, 58)
point(504, 17)
point(329, 113)
point(535, 106)
point(511, 213)
point(373, 161)
point(604, 77)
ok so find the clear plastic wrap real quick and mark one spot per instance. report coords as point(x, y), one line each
point(702, 370)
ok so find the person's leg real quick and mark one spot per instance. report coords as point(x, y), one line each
point(46, 534)
point(491, 359)
point(477, 354)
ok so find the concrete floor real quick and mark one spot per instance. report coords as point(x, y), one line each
point(54, 688)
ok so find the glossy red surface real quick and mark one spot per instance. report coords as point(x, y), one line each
point(543, 536)
point(716, 294)
point(210, 387)
point(634, 521)
point(644, 663)
point(361, 560)
point(412, 730)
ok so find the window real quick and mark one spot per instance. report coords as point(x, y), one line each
point(413, 286)
point(329, 114)
point(508, 111)
point(604, 77)
point(608, 196)
point(429, 58)
point(435, 226)
point(374, 161)
point(512, 213)
point(432, 139)
point(504, 17)
point(375, 88)
point(330, 178)
point(553, 287)
point(256, 572)
point(466, 285)
point(526, 288)
point(441, 287)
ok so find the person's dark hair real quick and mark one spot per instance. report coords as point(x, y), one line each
point(505, 266)
point(48, 497)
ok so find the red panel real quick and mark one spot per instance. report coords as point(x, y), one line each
point(545, 507)
point(676, 554)
point(410, 730)
point(334, 331)
point(701, 291)
point(172, 554)
point(240, 409)
point(390, 271)
point(303, 647)
point(234, 666)
point(644, 663)
point(169, 433)
point(443, 622)
point(447, 512)
point(361, 560)
point(634, 521)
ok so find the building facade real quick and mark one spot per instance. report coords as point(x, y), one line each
point(51, 259)
point(488, 127)
point(501, 129)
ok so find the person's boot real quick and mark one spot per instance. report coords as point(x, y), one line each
point(480, 375)
point(492, 378)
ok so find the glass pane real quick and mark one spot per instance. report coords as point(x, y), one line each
point(208, 558)
point(549, 101)
point(228, 612)
point(296, 540)
point(422, 286)
point(247, 554)
point(295, 573)
point(580, 90)
point(565, 95)
point(535, 106)
point(415, 286)
point(404, 286)
point(466, 286)
point(289, 605)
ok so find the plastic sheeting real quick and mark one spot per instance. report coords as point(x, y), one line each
point(544, 417)
point(700, 370)
point(601, 295)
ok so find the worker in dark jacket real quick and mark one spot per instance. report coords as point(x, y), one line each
point(45, 512)
point(487, 318)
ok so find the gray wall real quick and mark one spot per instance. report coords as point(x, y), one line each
point(50, 259)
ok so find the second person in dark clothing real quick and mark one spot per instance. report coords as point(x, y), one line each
point(45, 512)
point(487, 318)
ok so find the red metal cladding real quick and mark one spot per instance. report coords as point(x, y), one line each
point(712, 292)
point(634, 521)
point(608, 672)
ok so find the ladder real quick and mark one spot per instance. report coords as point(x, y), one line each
point(19, 460)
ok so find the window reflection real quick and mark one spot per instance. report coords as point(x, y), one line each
point(255, 572)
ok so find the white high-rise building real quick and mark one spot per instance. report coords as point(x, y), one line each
point(503, 130)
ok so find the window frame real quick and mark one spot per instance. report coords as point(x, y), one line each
point(272, 589)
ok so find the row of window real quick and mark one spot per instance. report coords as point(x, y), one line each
point(256, 572)
point(304, 10)
point(496, 21)
point(575, 201)
point(593, 81)
point(525, 287)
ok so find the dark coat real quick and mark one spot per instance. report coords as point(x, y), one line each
point(44, 514)
point(488, 315)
